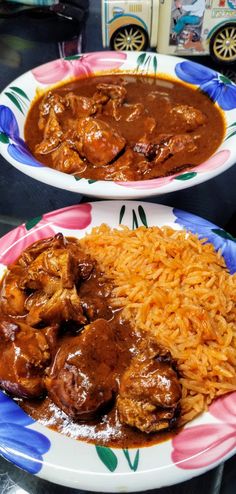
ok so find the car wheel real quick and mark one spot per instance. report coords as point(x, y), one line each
point(131, 37)
point(223, 44)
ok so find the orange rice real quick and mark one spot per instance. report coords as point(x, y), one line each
point(177, 288)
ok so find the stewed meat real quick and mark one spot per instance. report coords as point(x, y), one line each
point(150, 391)
point(24, 356)
point(82, 380)
point(99, 143)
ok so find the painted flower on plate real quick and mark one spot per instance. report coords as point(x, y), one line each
point(147, 184)
point(218, 159)
point(207, 230)
point(218, 87)
point(16, 147)
point(19, 444)
point(202, 445)
point(79, 66)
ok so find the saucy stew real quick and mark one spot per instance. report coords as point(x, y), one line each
point(123, 127)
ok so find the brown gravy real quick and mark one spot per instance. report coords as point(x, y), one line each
point(152, 132)
point(95, 292)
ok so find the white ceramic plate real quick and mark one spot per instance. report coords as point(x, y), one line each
point(203, 444)
point(16, 99)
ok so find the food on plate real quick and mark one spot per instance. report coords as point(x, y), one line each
point(177, 289)
point(123, 127)
point(120, 336)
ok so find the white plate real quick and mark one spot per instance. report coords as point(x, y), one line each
point(16, 99)
point(200, 446)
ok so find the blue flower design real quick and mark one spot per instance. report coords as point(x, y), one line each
point(218, 87)
point(22, 446)
point(216, 236)
point(9, 127)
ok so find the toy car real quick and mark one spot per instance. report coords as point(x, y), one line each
point(185, 27)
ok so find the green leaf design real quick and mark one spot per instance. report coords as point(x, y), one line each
point(19, 91)
point(225, 79)
point(232, 125)
point(186, 176)
point(223, 234)
point(122, 212)
point(140, 59)
point(231, 135)
point(155, 64)
point(91, 181)
point(31, 223)
point(4, 138)
point(132, 465)
point(135, 221)
point(73, 57)
point(143, 216)
point(108, 457)
point(77, 178)
point(14, 100)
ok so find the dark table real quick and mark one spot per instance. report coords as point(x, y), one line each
point(22, 198)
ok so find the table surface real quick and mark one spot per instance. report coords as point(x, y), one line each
point(22, 198)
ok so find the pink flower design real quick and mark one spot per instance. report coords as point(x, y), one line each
point(84, 66)
point(147, 184)
point(214, 162)
point(14, 242)
point(72, 217)
point(203, 445)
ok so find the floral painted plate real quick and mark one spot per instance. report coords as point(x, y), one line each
point(16, 99)
point(200, 446)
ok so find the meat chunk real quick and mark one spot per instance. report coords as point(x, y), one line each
point(51, 101)
point(11, 295)
point(122, 168)
point(187, 118)
point(24, 356)
point(67, 160)
point(150, 391)
point(42, 285)
point(52, 135)
point(111, 91)
point(112, 96)
point(82, 379)
point(81, 106)
point(99, 143)
point(62, 305)
point(166, 146)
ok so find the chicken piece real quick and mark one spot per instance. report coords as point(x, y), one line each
point(81, 106)
point(67, 160)
point(24, 357)
point(12, 297)
point(150, 391)
point(99, 143)
point(59, 257)
point(62, 305)
point(167, 146)
point(112, 96)
point(53, 135)
point(52, 275)
point(34, 250)
point(96, 305)
point(112, 91)
point(50, 101)
point(122, 169)
point(82, 379)
point(187, 118)
point(42, 284)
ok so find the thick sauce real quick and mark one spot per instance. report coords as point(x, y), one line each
point(58, 363)
point(157, 131)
